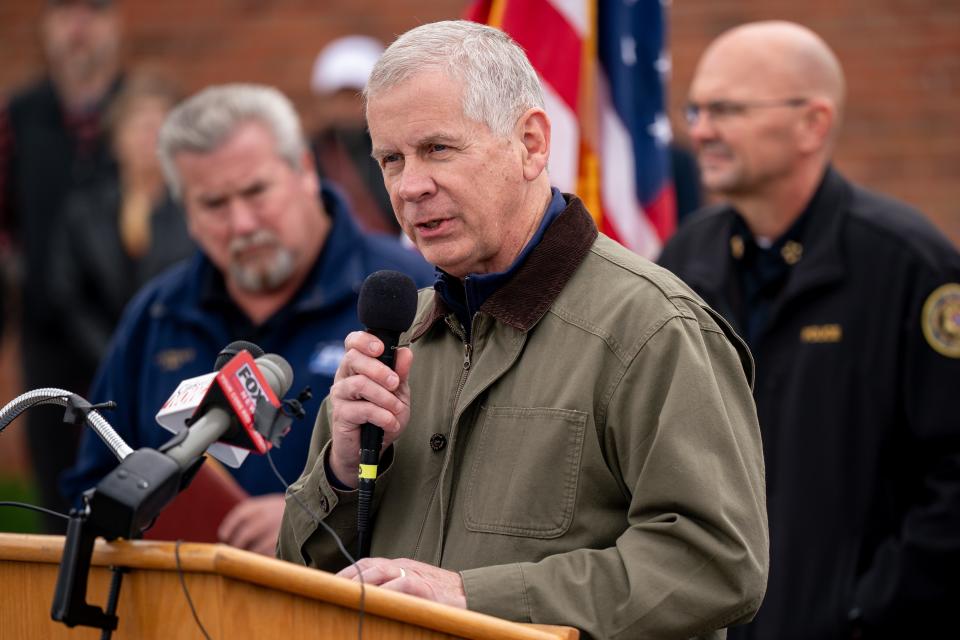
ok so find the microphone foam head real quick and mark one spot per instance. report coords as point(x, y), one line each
point(272, 365)
point(388, 300)
point(228, 352)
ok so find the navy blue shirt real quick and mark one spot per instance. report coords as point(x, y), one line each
point(178, 323)
point(762, 272)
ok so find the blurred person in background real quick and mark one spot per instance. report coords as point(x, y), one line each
point(341, 145)
point(51, 143)
point(280, 264)
point(850, 302)
point(116, 235)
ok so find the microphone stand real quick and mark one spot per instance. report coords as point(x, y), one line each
point(121, 505)
point(131, 496)
point(126, 500)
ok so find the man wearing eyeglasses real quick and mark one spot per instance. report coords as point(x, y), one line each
point(851, 305)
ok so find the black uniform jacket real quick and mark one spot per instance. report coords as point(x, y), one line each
point(858, 394)
point(47, 164)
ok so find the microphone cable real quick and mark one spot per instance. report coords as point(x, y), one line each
point(316, 520)
point(343, 550)
point(186, 592)
point(33, 507)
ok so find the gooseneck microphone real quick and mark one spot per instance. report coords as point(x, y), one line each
point(387, 306)
point(77, 408)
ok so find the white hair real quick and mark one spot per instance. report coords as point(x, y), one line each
point(203, 122)
point(499, 83)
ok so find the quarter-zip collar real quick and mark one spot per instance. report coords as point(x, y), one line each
point(524, 293)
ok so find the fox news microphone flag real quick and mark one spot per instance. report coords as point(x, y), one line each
point(604, 65)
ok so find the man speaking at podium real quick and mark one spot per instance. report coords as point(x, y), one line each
point(570, 438)
point(280, 264)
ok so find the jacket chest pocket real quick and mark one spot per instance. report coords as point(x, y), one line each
point(522, 479)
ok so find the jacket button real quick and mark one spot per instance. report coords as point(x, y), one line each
point(438, 441)
point(324, 504)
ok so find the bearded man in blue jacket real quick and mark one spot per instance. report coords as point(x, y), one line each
point(280, 264)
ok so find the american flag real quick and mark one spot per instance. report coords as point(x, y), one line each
point(604, 66)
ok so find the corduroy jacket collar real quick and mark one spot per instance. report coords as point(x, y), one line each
point(527, 296)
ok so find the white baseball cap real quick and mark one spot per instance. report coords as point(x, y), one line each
point(345, 63)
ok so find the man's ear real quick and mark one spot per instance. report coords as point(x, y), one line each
point(534, 131)
point(817, 125)
point(310, 178)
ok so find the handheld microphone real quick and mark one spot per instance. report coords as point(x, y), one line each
point(184, 404)
point(232, 349)
point(387, 306)
point(236, 408)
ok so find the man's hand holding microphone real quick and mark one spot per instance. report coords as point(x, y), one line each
point(370, 401)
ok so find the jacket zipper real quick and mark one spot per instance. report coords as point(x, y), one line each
point(467, 360)
point(467, 355)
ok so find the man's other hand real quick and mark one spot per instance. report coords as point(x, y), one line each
point(411, 577)
point(254, 524)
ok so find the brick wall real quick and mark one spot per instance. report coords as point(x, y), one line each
point(902, 60)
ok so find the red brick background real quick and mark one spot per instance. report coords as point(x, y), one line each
point(902, 59)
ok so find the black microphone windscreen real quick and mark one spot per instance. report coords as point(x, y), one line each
point(388, 300)
point(226, 354)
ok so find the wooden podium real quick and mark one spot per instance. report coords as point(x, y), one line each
point(237, 594)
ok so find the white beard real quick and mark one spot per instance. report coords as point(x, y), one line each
point(265, 275)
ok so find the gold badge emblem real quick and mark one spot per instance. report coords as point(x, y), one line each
point(736, 247)
point(792, 252)
point(821, 333)
point(941, 320)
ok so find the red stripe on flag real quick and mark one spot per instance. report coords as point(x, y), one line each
point(607, 229)
point(478, 11)
point(662, 211)
point(552, 45)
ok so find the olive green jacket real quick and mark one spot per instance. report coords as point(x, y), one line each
point(593, 459)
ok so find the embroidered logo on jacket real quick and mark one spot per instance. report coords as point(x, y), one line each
point(326, 358)
point(173, 359)
point(941, 320)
